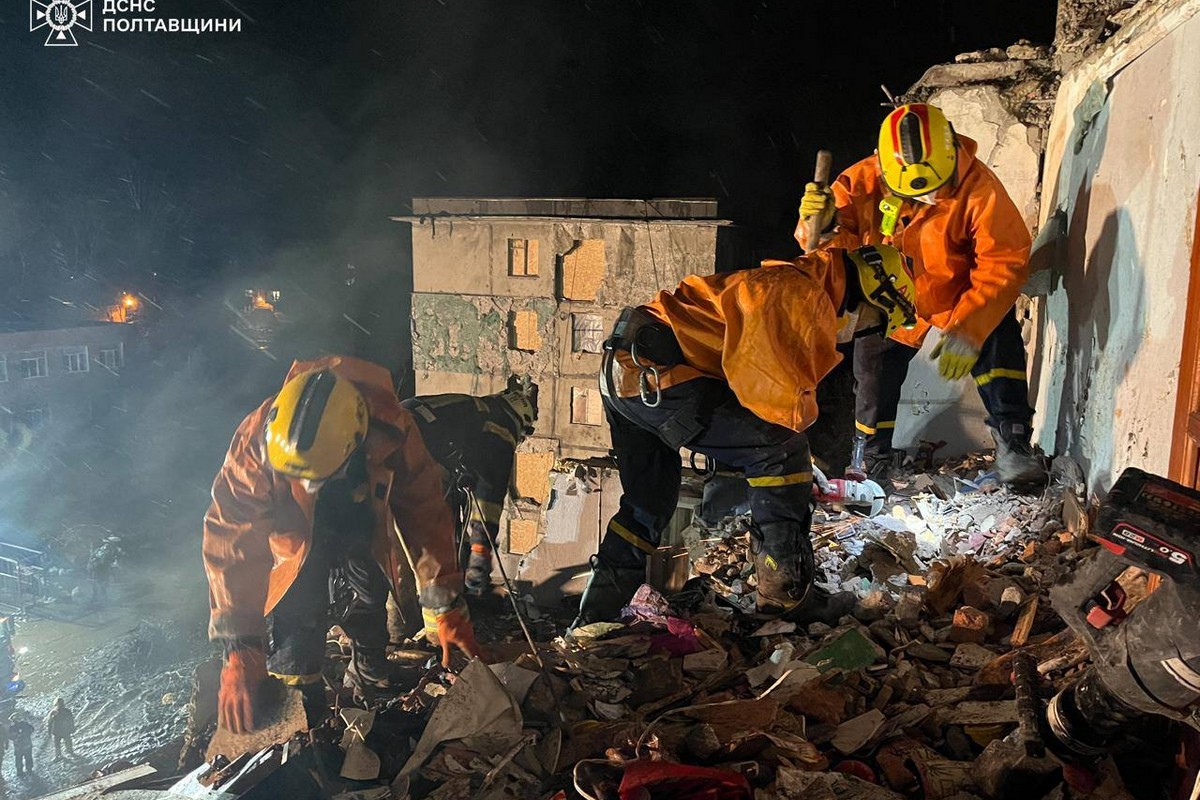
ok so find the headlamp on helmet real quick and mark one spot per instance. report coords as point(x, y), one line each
point(918, 153)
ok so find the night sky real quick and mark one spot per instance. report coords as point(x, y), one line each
point(176, 163)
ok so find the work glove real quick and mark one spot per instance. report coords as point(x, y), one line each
point(817, 202)
point(452, 627)
point(955, 356)
point(245, 669)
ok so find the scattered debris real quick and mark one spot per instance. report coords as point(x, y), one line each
point(694, 694)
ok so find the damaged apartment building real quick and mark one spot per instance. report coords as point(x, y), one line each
point(532, 287)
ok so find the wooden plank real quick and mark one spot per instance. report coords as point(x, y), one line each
point(98, 786)
point(1020, 634)
point(1184, 465)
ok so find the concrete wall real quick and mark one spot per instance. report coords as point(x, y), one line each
point(1123, 163)
point(931, 408)
point(465, 302)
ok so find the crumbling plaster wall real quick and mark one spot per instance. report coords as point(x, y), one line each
point(1123, 165)
point(464, 300)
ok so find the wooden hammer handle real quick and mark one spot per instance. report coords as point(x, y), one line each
point(820, 177)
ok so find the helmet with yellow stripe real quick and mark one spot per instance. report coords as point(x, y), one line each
point(315, 423)
point(918, 153)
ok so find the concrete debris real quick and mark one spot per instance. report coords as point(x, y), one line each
point(911, 695)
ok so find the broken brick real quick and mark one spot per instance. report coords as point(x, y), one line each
point(970, 625)
point(820, 702)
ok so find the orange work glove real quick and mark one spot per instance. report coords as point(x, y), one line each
point(244, 670)
point(454, 629)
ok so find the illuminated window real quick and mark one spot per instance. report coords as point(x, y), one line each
point(523, 258)
point(75, 359)
point(33, 365)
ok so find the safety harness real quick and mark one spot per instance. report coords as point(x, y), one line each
point(652, 347)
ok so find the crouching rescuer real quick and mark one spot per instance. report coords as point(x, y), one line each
point(325, 487)
point(728, 365)
point(474, 439)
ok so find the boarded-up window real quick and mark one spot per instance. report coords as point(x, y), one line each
point(523, 258)
point(522, 535)
point(524, 334)
point(583, 270)
point(531, 476)
point(587, 333)
point(586, 406)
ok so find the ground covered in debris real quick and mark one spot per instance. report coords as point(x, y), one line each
point(123, 667)
point(693, 695)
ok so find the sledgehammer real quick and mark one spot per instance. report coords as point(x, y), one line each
point(812, 237)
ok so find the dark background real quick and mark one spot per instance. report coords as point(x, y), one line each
point(284, 147)
point(189, 167)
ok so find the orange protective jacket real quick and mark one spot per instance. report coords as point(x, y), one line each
point(770, 333)
point(259, 526)
point(970, 250)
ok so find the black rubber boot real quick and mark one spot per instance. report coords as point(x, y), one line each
point(821, 606)
point(608, 590)
point(881, 465)
point(1017, 465)
point(783, 562)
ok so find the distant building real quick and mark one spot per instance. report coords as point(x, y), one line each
point(533, 286)
point(55, 381)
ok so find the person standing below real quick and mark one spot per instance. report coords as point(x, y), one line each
point(22, 740)
point(101, 565)
point(925, 192)
point(61, 724)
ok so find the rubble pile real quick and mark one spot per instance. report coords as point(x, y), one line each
point(1023, 72)
point(929, 689)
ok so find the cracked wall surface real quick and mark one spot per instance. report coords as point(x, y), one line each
point(1122, 167)
point(472, 316)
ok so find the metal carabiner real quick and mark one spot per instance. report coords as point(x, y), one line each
point(645, 369)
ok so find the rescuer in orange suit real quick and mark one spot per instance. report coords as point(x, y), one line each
point(325, 487)
point(728, 365)
point(925, 192)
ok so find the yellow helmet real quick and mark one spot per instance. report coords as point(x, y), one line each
point(886, 278)
point(316, 421)
point(917, 151)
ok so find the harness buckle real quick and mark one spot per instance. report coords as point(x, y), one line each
point(646, 369)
